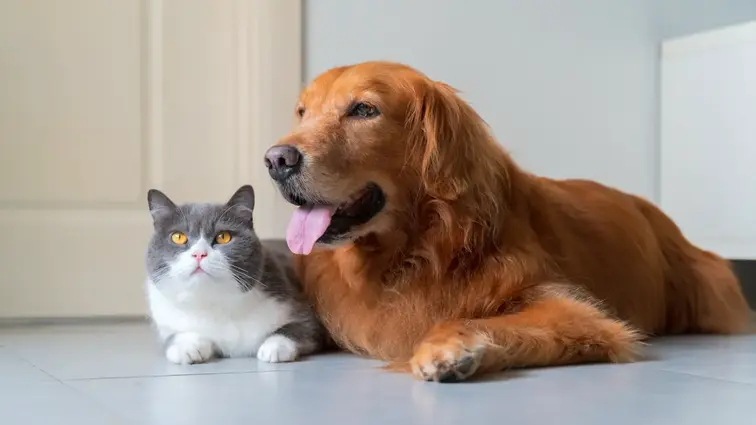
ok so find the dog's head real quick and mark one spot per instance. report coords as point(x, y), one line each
point(372, 139)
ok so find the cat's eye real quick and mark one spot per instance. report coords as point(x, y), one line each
point(223, 238)
point(178, 238)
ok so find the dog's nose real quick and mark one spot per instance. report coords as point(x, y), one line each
point(282, 161)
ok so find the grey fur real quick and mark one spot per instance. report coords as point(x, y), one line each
point(255, 265)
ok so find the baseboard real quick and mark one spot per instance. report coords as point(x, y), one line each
point(746, 271)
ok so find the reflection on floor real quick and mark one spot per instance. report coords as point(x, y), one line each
point(115, 374)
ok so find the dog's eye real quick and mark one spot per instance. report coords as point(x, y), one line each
point(363, 110)
point(300, 111)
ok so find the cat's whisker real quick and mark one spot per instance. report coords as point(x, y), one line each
point(240, 271)
point(215, 266)
point(243, 284)
point(236, 269)
point(257, 281)
point(250, 278)
point(240, 274)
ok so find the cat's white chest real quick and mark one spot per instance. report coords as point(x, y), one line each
point(237, 323)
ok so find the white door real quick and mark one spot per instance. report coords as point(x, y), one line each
point(101, 101)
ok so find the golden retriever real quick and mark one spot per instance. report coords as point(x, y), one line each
point(423, 244)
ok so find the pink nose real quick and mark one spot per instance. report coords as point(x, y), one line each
point(199, 255)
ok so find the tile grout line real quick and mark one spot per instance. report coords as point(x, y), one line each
point(174, 375)
point(707, 378)
point(57, 380)
point(99, 404)
point(78, 392)
point(22, 358)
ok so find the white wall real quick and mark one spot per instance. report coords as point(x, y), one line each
point(571, 87)
point(708, 138)
point(566, 88)
point(677, 18)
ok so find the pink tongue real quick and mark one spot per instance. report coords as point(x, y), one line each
point(306, 226)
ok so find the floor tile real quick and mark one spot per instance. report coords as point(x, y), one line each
point(15, 371)
point(735, 367)
point(743, 371)
point(112, 373)
point(52, 403)
point(586, 395)
point(697, 345)
point(731, 358)
point(83, 352)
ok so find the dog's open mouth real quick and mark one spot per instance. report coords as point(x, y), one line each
point(312, 223)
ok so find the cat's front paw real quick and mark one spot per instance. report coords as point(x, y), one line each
point(278, 348)
point(189, 348)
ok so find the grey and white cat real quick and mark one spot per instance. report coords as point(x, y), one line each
point(214, 290)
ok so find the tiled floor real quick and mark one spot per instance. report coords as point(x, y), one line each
point(115, 374)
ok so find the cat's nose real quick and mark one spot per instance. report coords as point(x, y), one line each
point(199, 255)
point(282, 161)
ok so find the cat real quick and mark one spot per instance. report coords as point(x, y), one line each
point(214, 290)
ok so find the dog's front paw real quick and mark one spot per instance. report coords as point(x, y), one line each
point(450, 353)
point(278, 348)
point(189, 348)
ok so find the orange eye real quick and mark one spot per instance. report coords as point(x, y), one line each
point(223, 238)
point(178, 238)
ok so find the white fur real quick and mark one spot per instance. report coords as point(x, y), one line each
point(208, 312)
point(188, 348)
point(278, 348)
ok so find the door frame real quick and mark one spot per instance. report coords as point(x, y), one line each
point(269, 64)
point(238, 106)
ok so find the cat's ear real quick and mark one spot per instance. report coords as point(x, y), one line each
point(160, 205)
point(243, 201)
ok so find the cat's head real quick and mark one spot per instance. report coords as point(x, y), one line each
point(203, 243)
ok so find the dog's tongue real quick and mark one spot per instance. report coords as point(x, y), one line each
point(306, 226)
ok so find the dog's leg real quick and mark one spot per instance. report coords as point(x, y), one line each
point(554, 330)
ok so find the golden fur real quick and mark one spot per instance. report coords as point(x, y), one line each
point(475, 265)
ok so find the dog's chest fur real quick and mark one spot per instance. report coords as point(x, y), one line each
point(363, 317)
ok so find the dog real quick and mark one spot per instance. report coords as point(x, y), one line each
point(423, 244)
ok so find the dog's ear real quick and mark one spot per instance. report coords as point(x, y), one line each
point(444, 129)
